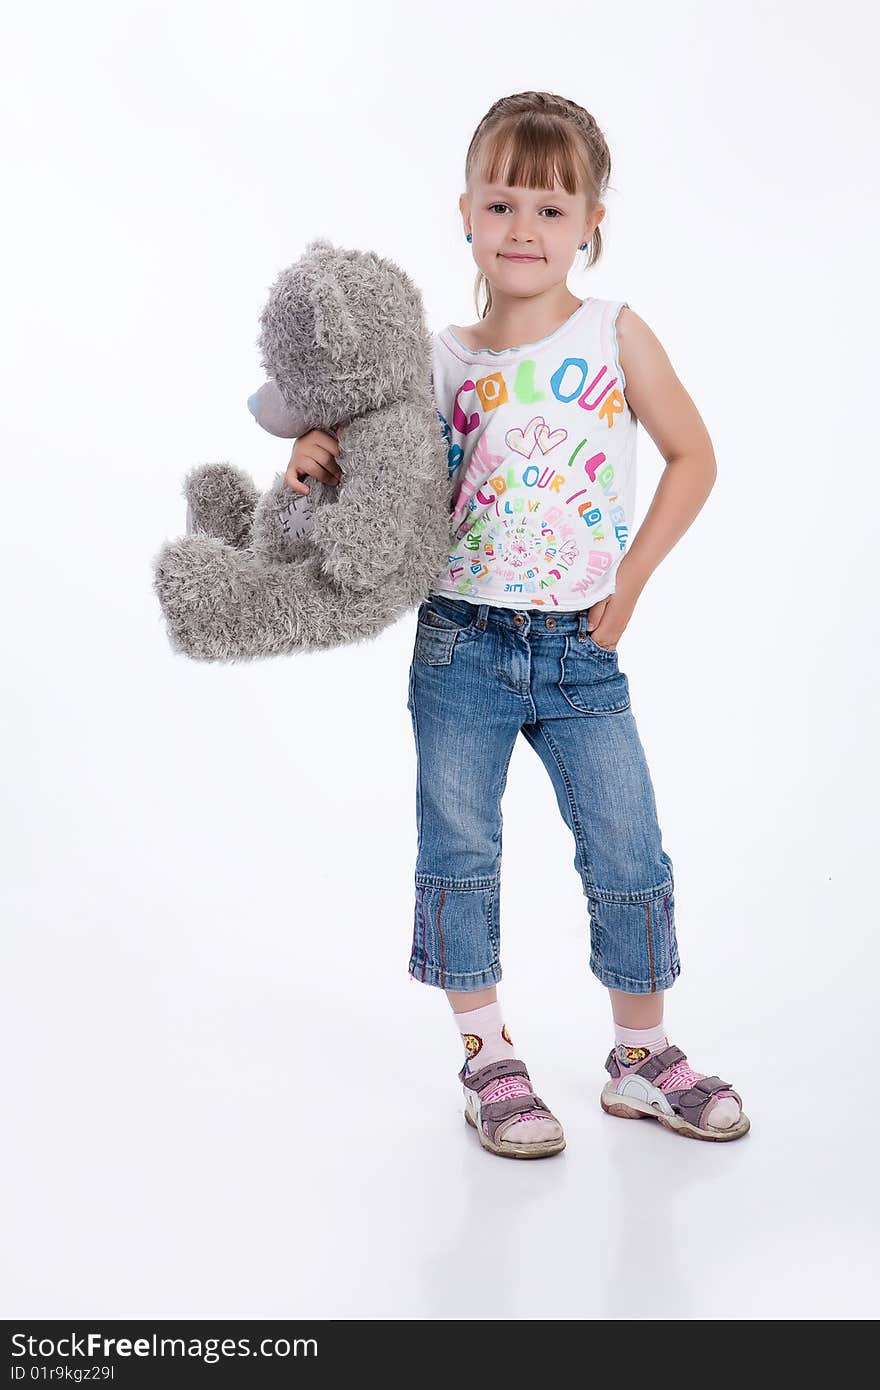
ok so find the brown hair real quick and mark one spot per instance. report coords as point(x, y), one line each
point(534, 139)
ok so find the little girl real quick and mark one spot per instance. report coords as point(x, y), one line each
point(539, 403)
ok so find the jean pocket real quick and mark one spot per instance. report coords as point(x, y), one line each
point(437, 634)
point(590, 678)
point(435, 645)
point(435, 613)
point(429, 617)
point(599, 649)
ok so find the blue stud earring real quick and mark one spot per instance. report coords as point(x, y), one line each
point(469, 237)
point(583, 247)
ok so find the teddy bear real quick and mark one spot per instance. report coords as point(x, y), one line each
point(344, 341)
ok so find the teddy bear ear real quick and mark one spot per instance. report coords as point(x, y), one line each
point(319, 243)
point(335, 328)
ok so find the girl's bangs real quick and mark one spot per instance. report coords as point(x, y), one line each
point(532, 154)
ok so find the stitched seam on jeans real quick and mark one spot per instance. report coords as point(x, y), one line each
point(415, 721)
point(440, 935)
point(650, 944)
point(611, 895)
point(458, 885)
point(424, 952)
point(597, 941)
point(466, 975)
point(612, 980)
point(415, 932)
point(668, 929)
point(493, 920)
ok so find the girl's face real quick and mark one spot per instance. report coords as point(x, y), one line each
point(545, 225)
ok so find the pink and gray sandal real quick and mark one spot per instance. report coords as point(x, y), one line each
point(499, 1096)
point(664, 1087)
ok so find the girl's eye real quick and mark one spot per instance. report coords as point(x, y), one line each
point(493, 206)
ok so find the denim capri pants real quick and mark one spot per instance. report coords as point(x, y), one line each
point(479, 676)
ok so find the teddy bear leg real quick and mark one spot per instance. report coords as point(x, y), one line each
point(220, 502)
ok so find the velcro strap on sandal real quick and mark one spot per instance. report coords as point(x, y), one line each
point(612, 1066)
point(659, 1062)
point(691, 1104)
point(494, 1071)
point(498, 1111)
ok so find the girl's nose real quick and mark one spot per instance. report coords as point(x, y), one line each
point(522, 234)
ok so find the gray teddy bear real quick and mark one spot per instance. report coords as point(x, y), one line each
point(344, 340)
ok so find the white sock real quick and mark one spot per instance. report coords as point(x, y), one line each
point(650, 1039)
point(486, 1040)
point(485, 1036)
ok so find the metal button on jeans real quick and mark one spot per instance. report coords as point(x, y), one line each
point(518, 619)
point(551, 622)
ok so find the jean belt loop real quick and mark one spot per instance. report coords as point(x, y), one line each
point(582, 624)
point(483, 617)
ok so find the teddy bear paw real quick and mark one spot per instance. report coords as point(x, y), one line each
point(220, 502)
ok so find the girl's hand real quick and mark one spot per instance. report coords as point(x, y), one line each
point(608, 619)
point(314, 453)
point(603, 625)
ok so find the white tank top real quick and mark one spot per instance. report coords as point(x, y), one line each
point(542, 462)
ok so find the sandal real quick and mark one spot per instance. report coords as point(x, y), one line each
point(496, 1097)
point(664, 1087)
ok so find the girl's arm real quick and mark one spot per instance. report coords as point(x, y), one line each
point(657, 398)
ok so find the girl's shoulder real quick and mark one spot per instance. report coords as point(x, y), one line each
point(639, 350)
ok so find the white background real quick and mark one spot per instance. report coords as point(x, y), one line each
point(224, 1096)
